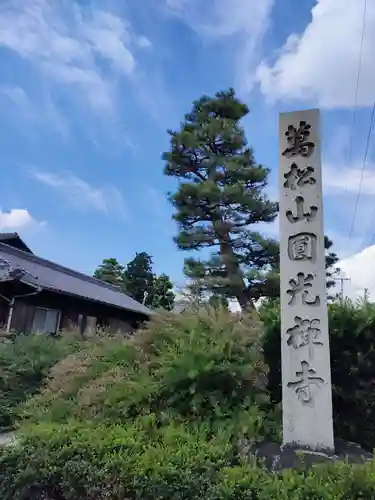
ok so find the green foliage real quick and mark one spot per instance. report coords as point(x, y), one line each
point(138, 277)
point(221, 197)
point(113, 462)
point(352, 342)
point(266, 283)
point(145, 461)
point(218, 301)
point(110, 271)
point(202, 366)
point(331, 260)
point(164, 416)
point(138, 281)
point(161, 295)
point(24, 365)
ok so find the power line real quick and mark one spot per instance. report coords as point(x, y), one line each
point(357, 84)
point(354, 117)
point(371, 127)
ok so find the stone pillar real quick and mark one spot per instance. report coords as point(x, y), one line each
point(305, 355)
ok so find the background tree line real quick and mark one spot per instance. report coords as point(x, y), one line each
point(138, 280)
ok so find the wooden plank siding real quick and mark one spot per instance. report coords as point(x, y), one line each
point(22, 317)
point(73, 312)
point(4, 311)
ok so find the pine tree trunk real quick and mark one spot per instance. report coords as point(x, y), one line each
point(226, 251)
point(227, 254)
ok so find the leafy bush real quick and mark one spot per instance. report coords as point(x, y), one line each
point(76, 461)
point(352, 342)
point(24, 364)
point(204, 366)
point(163, 416)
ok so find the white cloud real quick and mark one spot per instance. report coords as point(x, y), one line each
point(83, 195)
point(338, 179)
point(242, 21)
point(322, 62)
point(16, 219)
point(360, 269)
point(73, 45)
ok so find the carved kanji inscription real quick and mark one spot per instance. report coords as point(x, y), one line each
point(297, 139)
point(302, 246)
point(305, 379)
point(301, 213)
point(301, 287)
point(299, 177)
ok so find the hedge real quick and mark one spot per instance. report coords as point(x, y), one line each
point(76, 461)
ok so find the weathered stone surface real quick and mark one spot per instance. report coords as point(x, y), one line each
point(7, 439)
point(276, 457)
point(306, 372)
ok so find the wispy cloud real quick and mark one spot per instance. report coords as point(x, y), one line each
point(17, 96)
point(158, 207)
point(351, 202)
point(240, 23)
point(83, 195)
point(22, 106)
point(157, 199)
point(16, 219)
point(77, 46)
point(343, 180)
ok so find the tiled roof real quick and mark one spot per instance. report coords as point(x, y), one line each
point(14, 240)
point(51, 276)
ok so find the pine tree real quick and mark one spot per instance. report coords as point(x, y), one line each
point(221, 197)
point(218, 301)
point(331, 260)
point(138, 277)
point(161, 295)
point(267, 283)
point(110, 271)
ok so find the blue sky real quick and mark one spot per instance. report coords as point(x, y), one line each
point(89, 88)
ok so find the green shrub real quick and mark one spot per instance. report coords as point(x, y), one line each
point(327, 482)
point(204, 366)
point(76, 461)
point(163, 416)
point(89, 461)
point(352, 342)
point(24, 365)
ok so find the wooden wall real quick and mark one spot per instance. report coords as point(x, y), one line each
point(4, 311)
point(71, 309)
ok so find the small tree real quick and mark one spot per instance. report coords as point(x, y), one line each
point(162, 295)
point(110, 271)
point(221, 197)
point(138, 277)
